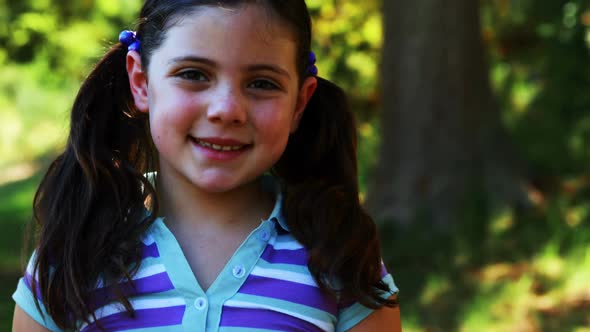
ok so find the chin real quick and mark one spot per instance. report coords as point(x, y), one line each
point(217, 185)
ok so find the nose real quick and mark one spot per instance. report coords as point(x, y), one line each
point(227, 106)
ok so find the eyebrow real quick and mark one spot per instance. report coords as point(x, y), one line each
point(209, 62)
point(275, 69)
point(191, 58)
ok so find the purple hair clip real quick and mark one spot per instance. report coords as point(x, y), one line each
point(311, 67)
point(129, 39)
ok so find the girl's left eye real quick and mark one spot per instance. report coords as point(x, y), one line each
point(264, 85)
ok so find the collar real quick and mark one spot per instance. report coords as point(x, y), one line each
point(272, 184)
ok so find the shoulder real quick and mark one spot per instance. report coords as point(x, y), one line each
point(150, 277)
point(22, 322)
point(385, 319)
point(30, 314)
point(353, 316)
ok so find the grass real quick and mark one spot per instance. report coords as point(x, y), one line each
point(507, 272)
point(15, 213)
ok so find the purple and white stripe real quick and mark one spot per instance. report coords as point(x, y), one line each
point(152, 279)
point(148, 313)
point(293, 292)
point(258, 315)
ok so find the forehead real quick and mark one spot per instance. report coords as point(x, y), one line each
point(244, 32)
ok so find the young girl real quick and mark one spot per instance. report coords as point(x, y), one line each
point(208, 184)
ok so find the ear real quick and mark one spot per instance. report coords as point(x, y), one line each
point(307, 90)
point(137, 81)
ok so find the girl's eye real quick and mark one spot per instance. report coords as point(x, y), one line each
point(192, 75)
point(263, 84)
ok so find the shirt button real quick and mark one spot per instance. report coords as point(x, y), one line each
point(264, 235)
point(238, 271)
point(200, 303)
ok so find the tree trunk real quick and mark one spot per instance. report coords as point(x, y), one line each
point(440, 126)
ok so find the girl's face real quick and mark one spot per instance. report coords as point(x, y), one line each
point(222, 94)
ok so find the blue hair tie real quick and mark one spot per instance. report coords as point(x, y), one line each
point(311, 67)
point(129, 39)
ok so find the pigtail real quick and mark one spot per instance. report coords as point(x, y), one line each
point(90, 205)
point(322, 206)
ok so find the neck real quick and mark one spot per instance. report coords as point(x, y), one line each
point(184, 205)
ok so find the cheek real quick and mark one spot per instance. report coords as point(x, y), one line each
point(158, 132)
point(276, 117)
point(273, 129)
point(174, 116)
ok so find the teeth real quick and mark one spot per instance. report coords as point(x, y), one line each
point(220, 147)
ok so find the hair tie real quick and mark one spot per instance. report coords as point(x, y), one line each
point(129, 39)
point(311, 67)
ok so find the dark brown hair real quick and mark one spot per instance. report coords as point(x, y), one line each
point(91, 205)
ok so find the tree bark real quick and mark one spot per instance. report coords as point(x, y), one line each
point(440, 125)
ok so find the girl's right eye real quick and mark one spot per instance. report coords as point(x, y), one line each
point(192, 75)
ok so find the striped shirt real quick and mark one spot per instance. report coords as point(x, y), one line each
point(265, 286)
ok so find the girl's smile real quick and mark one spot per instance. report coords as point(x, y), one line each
point(220, 149)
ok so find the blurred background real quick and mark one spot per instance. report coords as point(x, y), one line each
point(474, 143)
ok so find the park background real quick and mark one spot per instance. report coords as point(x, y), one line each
point(497, 239)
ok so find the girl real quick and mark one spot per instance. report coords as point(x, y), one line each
point(208, 184)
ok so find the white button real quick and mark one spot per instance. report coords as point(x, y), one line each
point(201, 303)
point(239, 271)
point(264, 235)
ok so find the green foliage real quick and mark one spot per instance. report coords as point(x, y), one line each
point(512, 270)
point(48, 48)
point(347, 40)
point(34, 114)
point(15, 213)
point(539, 69)
point(505, 271)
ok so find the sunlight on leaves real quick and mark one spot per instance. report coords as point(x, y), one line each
point(109, 7)
point(40, 22)
point(363, 63)
point(69, 39)
point(20, 37)
point(549, 262)
point(119, 8)
point(373, 31)
point(493, 273)
point(314, 4)
point(522, 95)
point(11, 131)
point(546, 30)
point(578, 274)
point(500, 307)
point(503, 221)
point(366, 130)
point(576, 214)
point(436, 286)
point(570, 13)
point(499, 73)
